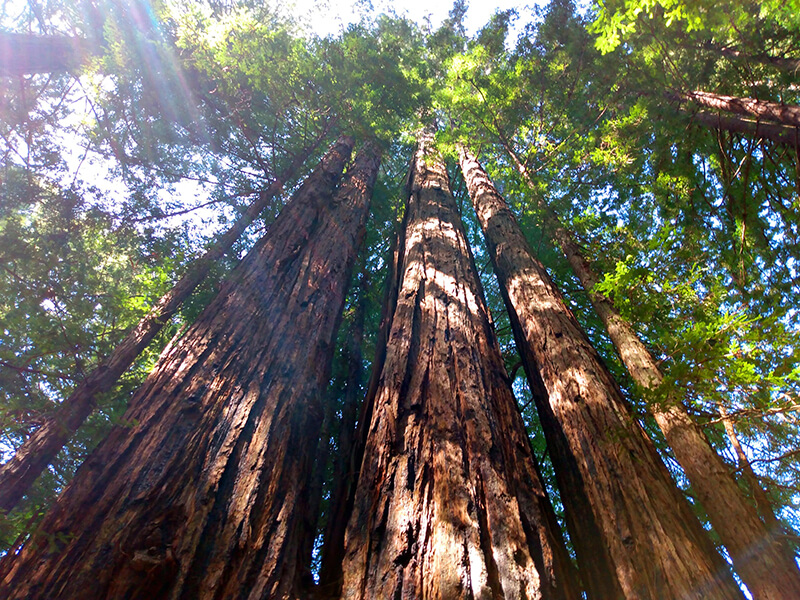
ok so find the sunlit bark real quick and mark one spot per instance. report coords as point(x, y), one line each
point(759, 554)
point(449, 503)
point(203, 494)
point(751, 107)
point(657, 546)
point(39, 450)
point(780, 134)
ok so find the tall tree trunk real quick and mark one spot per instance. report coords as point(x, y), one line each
point(449, 504)
point(780, 134)
point(333, 550)
point(763, 561)
point(38, 451)
point(26, 54)
point(657, 545)
point(203, 495)
point(344, 469)
point(763, 505)
point(750, 107)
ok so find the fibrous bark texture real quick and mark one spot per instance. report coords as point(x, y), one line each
point(774, 111)
point(203, 494)
point(780, 134)
point(449, 503)
point(758, 552)
point(656, 544)
point(18, 474)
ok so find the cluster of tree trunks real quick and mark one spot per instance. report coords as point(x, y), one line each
point(203, 493)
point(18, 474)
point(760, 554)
point(208, 490)
point(649, 533)
point(449, 503)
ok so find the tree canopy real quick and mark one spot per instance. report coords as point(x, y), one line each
point(657, 133)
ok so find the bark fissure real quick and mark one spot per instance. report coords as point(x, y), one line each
point(651, 537)
point(39, 450)
point(443, 391)
point(239, 471)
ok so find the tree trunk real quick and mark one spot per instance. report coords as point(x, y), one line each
point(763, 505)
point(749, 107)
point(449, 504)
point(657, 545)
point(780, 134)
point(203, 494)
point(344, 471)
point(26, 54)
point(759, 555)
point(38, 451)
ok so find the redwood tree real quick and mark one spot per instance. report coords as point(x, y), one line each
point(656, 544)
point(38, 451)
point(202, 494)
point(449, 502)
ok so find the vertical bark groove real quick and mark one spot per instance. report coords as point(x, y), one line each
point(203, 496)
point(447, 476)
point(40, 449)
point(762, 559)
point(655, 543)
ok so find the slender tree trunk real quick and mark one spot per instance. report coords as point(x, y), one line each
point(38, 451)
point(449, 504)
point(344, 471)
point(763, 505)
point(26, 54)
point(203, 495)
point(759, 555)
point(780, 134)
point(333, 551)
point(657, 545)
point(750, 107)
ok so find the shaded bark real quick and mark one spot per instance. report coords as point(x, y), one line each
point(749, 107)
point(760, 556)
point(780, 134)
point(655, 543)
point(203, 495)
point(344, 467)
point(38, 451)
point(26, 54)
point(449, 504)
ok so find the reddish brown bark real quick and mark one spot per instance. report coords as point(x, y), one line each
point(449, 504)
point(203, 495)
point(759, 554)
point(658, 548)
point(750, 107)
point(18, 473)
point(783, 63)
point(344, 467)
point(780, 134)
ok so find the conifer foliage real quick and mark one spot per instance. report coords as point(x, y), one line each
point(265, 297)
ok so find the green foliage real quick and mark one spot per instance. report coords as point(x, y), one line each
point(695, 232)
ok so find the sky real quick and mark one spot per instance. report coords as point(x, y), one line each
point(330, 17)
